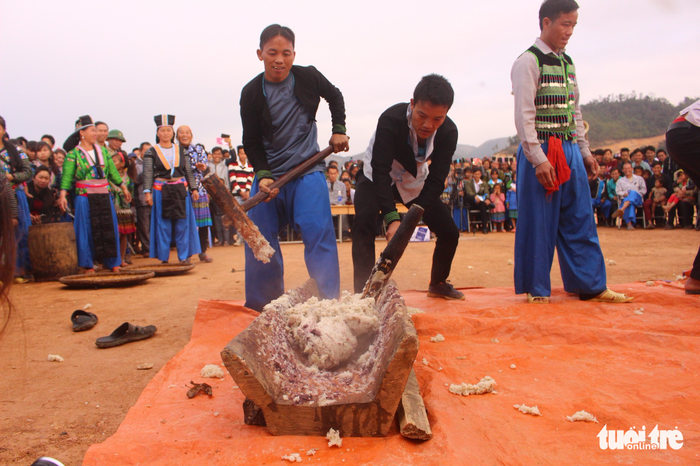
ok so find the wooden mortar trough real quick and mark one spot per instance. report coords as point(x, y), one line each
point(264, 361)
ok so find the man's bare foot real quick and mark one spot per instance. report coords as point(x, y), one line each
point(116, 269)
point(89, 271)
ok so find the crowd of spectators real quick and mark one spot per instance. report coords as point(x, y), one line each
point(644, 189)
point(641, 189)
point(482, 193)
point(38, 170)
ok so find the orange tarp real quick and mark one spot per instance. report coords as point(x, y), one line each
point(628, 369)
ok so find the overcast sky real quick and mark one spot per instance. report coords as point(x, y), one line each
point(125, 61)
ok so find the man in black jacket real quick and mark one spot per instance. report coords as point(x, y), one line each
point(407, 161)
point(278, 111)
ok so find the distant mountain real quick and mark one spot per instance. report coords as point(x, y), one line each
point(490, 147)
point(463, 151)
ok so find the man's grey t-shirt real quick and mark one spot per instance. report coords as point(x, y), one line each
point(294, 132)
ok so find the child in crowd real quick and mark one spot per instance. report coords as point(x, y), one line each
point(494, 178)
point(125, 216)
point(512, 200)
point(658, 194)
point(682, 191)
point(498, 199)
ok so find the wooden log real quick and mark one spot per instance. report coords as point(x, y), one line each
point(52, 251)
point(291, 175)
point(412, 416)
point(256, 356)
point(382, 270)
point(218, 191)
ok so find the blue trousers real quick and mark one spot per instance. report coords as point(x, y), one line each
point(462, 221)
point(604, 206)
point(164, 229)
point(563, 221)
point(630, 213)
point(83, 236)
point(22, 265)
point(304, 204)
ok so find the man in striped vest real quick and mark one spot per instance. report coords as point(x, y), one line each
point(554, 166)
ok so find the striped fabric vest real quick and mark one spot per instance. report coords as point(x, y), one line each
point(554, 101)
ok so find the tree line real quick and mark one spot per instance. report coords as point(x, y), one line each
point(630, 116)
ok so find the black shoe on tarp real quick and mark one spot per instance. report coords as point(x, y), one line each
point(444, 290)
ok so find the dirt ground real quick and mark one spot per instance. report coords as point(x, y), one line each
point(60, 409)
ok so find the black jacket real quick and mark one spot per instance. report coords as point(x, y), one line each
point(391, 143)
point(153, 168)
point(309, 86)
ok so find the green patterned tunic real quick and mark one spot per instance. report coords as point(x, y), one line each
point(77, 168)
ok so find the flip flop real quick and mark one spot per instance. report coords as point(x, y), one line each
point(83, 320)
point(610, 296)
point(125, 333)
point(537, 299)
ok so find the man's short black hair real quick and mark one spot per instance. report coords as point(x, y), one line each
point(214, 149)
point(50, 138)
point(553, 9)
point(476, 169)
point(651, 148)
point(331, 167)
point(599, 152)
point(616, 169)
point(435, 89)
point(624, 149)
point(637, 151)
point(141, 146)
point(660, 151)
point(239, 148)
point(98, 123)
point(655, 163)
point(274, 30)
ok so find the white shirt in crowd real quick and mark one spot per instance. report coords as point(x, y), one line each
point(625, 185)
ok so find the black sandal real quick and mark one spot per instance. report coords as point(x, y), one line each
point(83, 320)
point(125, 333)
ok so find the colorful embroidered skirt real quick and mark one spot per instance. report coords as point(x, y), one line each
point(126, 221)
point(498, 216)
point(513, 213)
point(202, 215)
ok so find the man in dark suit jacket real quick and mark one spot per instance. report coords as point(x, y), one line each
point(407, 161)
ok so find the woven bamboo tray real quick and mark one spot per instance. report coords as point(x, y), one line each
point(106, 280)
point(161, 270)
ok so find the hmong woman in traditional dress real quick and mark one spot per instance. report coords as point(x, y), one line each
point(125, 216)
point(167, 171)
point(202, 215)
point(16, 167)
point(88, 167)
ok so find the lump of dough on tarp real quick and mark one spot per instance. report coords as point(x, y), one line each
point(334, 439)
point(535, 411)
point(582, 416)
point(485, 385)
point(437, 338)
point(212, 371)
point(292, 458)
